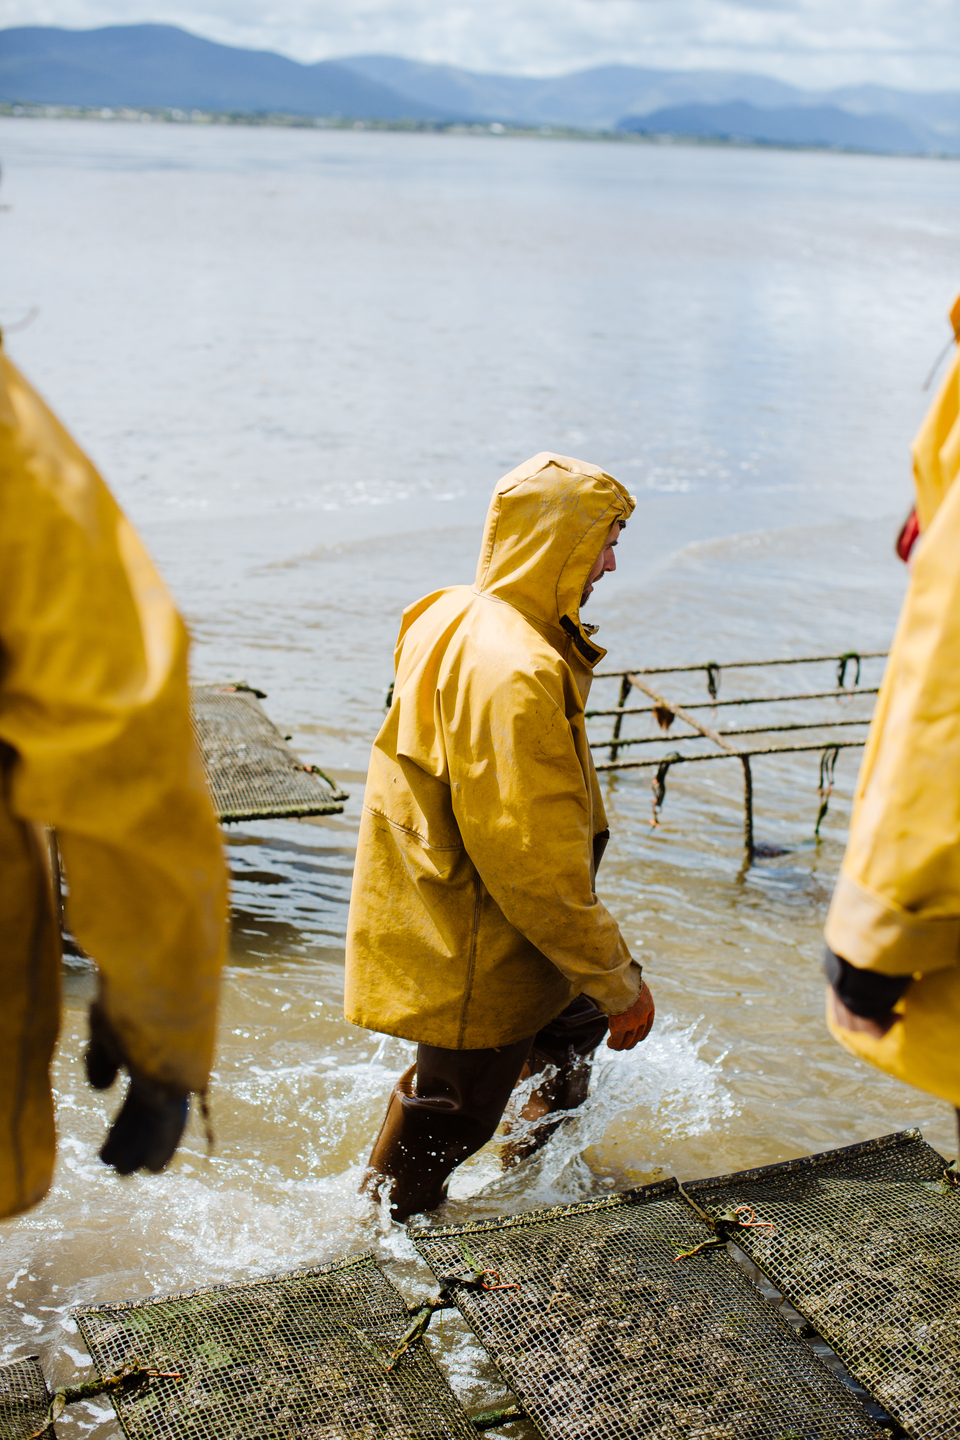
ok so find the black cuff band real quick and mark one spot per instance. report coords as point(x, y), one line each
point(864, 992)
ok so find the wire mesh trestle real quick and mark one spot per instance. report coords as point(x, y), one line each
point(251, 771)
point(623, 1315)
point(317, 1353)
point(24, 1400)
point(865, 1243)
point(604, 1334)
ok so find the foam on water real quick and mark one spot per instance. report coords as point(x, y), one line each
point(654, 1094)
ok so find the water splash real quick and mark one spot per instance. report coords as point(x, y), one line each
point(639, 1101)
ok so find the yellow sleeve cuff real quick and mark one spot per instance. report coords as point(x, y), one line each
point(873, 934)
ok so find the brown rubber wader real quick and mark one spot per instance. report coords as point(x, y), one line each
point(450, 1102)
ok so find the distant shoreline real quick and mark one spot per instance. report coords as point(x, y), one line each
point(278, 120)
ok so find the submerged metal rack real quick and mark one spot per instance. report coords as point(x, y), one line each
point(787, 729)
point(865, 1243)
point(302, 1356)
point(24, 1400)
point(601, 1331)
point(251, 770)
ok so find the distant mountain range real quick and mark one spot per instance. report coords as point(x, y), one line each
point(163, 67)
point(613, 96)
point(785, 125)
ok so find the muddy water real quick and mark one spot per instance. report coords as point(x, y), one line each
point(302, 360)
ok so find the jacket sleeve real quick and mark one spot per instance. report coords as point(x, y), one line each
point(522, 802)
point(896, 908)
point(94, 705)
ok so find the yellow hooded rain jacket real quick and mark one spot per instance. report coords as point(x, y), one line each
point(95, 741)
point(896, 907)
point(473, 920)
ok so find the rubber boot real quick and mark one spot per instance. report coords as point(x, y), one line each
point(564, 1087)
point(416, 1149)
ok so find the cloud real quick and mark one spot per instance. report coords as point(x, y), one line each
point(816, 43)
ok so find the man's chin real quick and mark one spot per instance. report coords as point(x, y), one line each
point(586, 596)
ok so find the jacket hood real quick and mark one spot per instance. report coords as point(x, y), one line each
point(545, 528)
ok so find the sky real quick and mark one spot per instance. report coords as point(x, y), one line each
point(912, 44)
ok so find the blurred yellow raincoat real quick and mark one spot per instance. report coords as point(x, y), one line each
point(896, 908)
point(473, 920)
point(95, 740)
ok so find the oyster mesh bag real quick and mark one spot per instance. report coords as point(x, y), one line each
point(301, 1356)
point(600, 1331)
point(250, 769)
point(24, 1399)
point(865, 1243)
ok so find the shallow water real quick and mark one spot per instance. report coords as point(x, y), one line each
point(302, 359)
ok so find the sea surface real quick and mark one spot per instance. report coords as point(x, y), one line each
point(302, 359)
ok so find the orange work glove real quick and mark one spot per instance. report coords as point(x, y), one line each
point(633, 1025)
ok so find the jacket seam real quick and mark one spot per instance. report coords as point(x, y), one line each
point(471, 963)
point(395, 824)
point(492, 545)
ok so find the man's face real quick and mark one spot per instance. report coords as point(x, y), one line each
point(605, 561)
